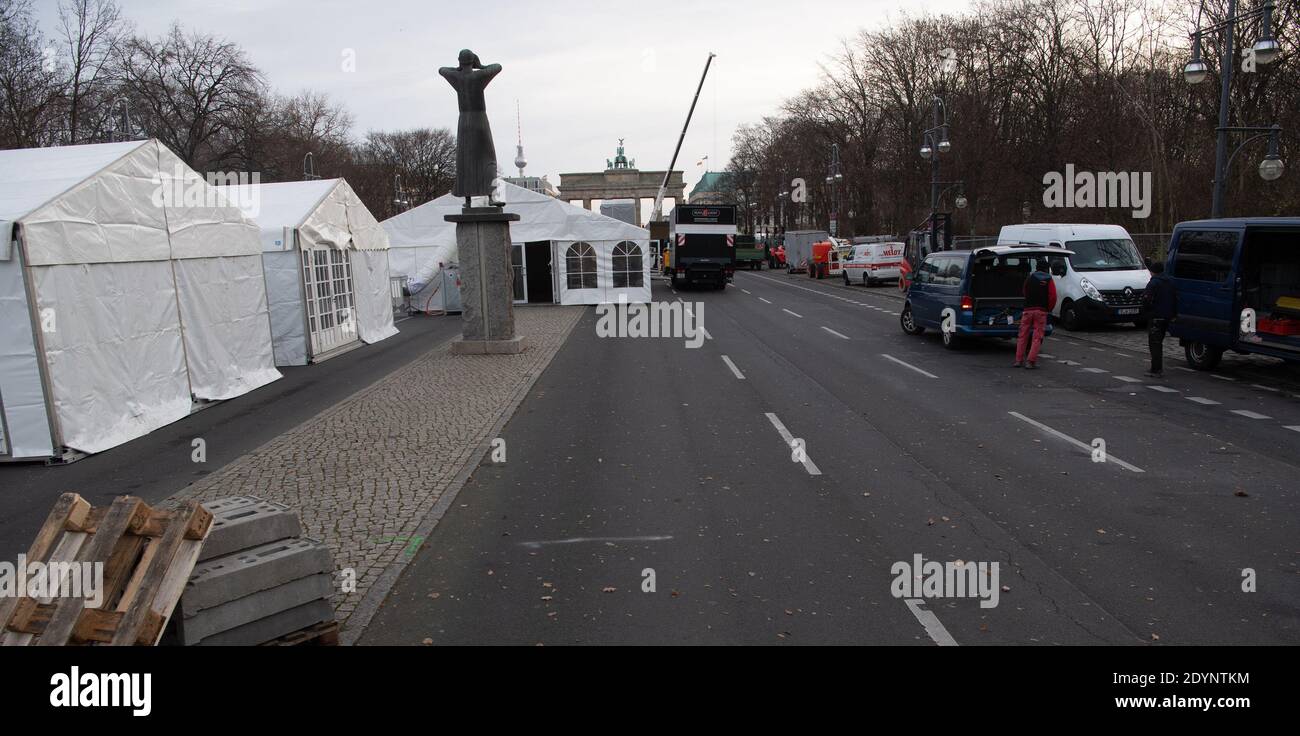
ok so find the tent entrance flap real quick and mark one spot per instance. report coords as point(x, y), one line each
point(331, 300)
point(537, 269)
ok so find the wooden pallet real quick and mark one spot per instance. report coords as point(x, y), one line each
point(324, 634)
point(146, 554)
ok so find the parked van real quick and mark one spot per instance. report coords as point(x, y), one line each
point(871, 263)
point(981, 292)
point(1222, 268)
point(1105, 278)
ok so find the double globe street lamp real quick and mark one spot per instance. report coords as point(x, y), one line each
point(1265, 51)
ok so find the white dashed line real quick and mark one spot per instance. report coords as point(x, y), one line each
point(1094, 370)
point(796, 314)
point(1067, 362)
point(1128, 379)
point(808, 464)
point(1163, 389)
point(1181, 368)
point(1047, 355)
point(1123, 355)
point(933, 627)
point(733, 368)
point(833, 332)
point(761, 299)
point(1202, 400)
point(1085, 447)
point(907, 365)
point(1294, 428)
point(745, 290)
point(1261, 386)
point(1222, 378)
point(1250, 414)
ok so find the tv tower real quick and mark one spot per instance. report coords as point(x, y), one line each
point(520, 161)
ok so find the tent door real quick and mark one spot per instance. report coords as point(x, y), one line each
point(331, 302)
point(537, 272)
point(518, 282)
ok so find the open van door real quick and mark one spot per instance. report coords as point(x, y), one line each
point(1202, 265)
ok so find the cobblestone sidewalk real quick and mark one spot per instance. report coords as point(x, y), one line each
point(366, 472)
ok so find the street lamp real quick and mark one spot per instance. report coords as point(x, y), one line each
point(1264, 51)
point(833, 179)
point(935, 143)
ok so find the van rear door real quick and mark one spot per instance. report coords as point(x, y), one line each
point(1203, 265)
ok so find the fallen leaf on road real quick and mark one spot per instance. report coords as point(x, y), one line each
point(427, 641)
point(1101, 531)
point(435, 596)
point(1240, 493)
point(547, 598)
point(1155, 637)
point(1006, 589)
point(608, 589)
point(930, 522)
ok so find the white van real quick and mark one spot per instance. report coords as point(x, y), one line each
point(1104, 279)
point(871, 263)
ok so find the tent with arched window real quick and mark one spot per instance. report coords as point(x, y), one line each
point(562, 253)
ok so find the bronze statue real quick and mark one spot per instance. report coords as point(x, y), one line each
point(476, 154)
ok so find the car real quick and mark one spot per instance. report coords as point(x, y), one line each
point(871, 263)
point(974, 293)
point(1238, 284)
point(1103, 281)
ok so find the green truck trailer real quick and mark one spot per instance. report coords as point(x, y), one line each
point(750, 253)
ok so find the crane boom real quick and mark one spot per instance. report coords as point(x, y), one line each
point(657, 212)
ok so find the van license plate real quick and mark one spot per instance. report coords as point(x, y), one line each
point(1127, 311)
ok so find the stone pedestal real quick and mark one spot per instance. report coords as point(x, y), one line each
point(488, 316)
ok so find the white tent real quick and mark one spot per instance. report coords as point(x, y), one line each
point(129, 289)
point(326, 262)
point(597, 259)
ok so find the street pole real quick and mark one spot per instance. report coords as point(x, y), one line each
point(934, 167)
point(1221, 144)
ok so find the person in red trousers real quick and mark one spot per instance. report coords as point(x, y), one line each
point(1040, 298)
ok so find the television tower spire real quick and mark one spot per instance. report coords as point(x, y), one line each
point(520, 161)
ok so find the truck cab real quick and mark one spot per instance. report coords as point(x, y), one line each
point(703, 247)
point(1238, 284)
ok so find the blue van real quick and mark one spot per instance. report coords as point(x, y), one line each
point(984, 288)
point(1222, 268)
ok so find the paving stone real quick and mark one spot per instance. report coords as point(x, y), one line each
point(241, 522)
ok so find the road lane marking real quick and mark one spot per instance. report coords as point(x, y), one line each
point(1250, 414)
point(1260, 385)
point(1068, 362)
point(931, 623)
point(1128, 379)
point(745, 290)
point(1123, 355)
point(761, 299)
point(1221, 378)
point(733, 368)
point(783, 309)
point(1094, 370)
point(1085, 447)
point(808, 464)
point(604, 540)
point(1181, 368)
point(1294, 428)
point(1163, 389)
point(1202, 400)
point(703, 329)
point(887, 356)
point(833, 332)
point(1047, 355)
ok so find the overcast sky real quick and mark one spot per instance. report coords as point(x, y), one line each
point(585, 73)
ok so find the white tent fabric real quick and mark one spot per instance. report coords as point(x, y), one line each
point(420, 239)
point(307, 215)
point(141, 290)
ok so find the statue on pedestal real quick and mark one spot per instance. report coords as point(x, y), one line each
point(476, 155)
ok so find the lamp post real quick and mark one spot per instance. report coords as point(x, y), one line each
point(400, 200)
point(309, 167)
point(833, 178)
point(935, 143)
point(1265, 50)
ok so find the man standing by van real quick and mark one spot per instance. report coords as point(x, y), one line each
point(1161, 301)
point(1040, 298)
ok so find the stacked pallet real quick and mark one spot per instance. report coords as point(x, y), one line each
point(258, 580)
point(136, 557)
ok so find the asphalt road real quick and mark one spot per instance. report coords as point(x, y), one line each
point(639, 455)
point(159, 464)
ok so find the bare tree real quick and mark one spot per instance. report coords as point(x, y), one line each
point(91, 30)
point(29, 80)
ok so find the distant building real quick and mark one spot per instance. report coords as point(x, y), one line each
point(539, 184)
point(712, 188)
point(621, 180)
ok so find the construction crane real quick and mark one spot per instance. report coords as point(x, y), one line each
point(657, 213)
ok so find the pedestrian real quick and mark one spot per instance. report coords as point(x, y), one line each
point(1040, 298)
point(1160, 301)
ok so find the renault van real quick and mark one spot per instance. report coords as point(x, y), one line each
point(1104, 277)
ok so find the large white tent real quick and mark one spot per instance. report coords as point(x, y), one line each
point(326, 262)
point(129, 289)
point(587, 258)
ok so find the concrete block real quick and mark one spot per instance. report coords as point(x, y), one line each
point(275, 625)
point(259, 605)
point(224, 579)
point(513, 346)
point(242, 522)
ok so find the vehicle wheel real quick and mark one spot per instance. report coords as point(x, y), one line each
point(846, 279)
point(867, 281)
point(951, 341)
point(1202, 357)
point(1070, 319)
point(908, 321)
